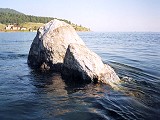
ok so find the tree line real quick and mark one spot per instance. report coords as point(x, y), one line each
point(10, 18)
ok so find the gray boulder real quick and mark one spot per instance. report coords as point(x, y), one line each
point(50, 44)
point(80, 63)
point(58, 47)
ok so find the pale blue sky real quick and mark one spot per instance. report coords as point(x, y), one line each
point(99, 15)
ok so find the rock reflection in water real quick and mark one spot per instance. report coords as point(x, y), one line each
point(63, 98)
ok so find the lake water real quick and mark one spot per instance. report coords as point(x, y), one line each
point(29, 95)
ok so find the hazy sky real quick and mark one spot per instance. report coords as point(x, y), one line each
point(99, 15)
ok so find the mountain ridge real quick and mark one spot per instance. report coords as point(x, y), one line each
point(9, 10)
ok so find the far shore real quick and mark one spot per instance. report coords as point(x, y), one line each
point(28, 31)
point(17, 31)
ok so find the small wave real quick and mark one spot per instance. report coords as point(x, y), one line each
point(134, 72)
point(126, 66)
point(16, 41)
point(114, 111)
point(11, 56)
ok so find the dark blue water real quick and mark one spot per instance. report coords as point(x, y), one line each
point(26, 94)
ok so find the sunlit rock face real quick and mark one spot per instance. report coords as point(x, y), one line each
point(50, 44)
point(80, 63)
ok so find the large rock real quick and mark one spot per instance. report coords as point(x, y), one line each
point(58, 47)
point(50, 44)
point(80, 63)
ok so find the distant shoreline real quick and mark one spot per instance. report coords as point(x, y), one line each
point(12, 31)
point(16, 31)
point(32, 27)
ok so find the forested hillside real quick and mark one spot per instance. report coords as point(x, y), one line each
point(10, 16)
